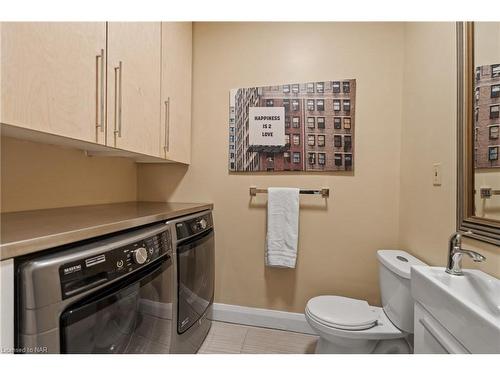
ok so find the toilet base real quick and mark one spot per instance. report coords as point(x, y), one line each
point(394, 346)
point(345, 346)
point(357, 346)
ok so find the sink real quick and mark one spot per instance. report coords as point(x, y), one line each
point(467, 306)
point(479, 288)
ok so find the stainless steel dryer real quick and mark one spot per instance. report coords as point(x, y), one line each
point(194, 271)
point(113, 295)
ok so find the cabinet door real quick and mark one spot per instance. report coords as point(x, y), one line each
point(430, 337)
point(134, 86)
point(52, 77)
point(176, 52)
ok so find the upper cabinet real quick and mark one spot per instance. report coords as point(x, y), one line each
point(123, 87)
point(52, 77)
point(176, 61)
point(134, 69)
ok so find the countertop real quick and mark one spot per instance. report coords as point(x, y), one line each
point(26, 232)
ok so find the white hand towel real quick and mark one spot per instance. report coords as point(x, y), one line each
point(282, 227)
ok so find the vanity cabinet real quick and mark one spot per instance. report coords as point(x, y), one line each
point(52, 77)
point(125, 86)
point(431, 337)
point(176, 77)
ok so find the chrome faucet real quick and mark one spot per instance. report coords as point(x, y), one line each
point(455, 253)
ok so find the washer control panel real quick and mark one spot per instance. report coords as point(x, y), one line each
point(194, 226)
point(86, 273)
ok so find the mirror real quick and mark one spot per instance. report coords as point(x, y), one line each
point(478, 118)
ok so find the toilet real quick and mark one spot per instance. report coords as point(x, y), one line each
point(348, 325)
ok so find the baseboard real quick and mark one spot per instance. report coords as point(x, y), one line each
point(252, 316)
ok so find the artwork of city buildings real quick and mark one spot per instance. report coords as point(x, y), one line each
point(486, 116)
point(318, 123)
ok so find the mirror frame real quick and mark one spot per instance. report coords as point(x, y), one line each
point(470, 225)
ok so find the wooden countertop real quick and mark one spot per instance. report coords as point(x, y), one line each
point(26, 232)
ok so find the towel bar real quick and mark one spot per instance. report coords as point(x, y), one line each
point(324, 192)
point(488, 192)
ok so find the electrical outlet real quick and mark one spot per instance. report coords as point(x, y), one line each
point(436, 174)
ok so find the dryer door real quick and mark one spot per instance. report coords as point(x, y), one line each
point(195, 276)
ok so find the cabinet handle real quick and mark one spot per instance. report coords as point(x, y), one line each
point(118, 101)
point(99, 91)
point(102, 90)
point(115, 117)
point(167, 124)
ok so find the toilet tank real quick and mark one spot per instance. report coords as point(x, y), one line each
point(394, 279)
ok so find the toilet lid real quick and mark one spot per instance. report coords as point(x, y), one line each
point(342, 312)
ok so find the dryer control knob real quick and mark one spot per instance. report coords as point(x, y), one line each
point(203, 224)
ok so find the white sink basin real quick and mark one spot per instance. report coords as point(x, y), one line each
point(467, 306)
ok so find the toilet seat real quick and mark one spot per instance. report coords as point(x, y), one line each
point(342, 313)
point(383, 329)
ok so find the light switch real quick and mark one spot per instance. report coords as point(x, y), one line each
point(436, 174)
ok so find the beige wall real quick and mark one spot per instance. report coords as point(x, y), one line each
point(36, 175)
point(427, 212)
point(338, 238)
point(486, 43)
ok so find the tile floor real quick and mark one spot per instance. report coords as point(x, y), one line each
point(227, 338)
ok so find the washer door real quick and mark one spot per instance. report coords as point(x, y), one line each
point(133, 316)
